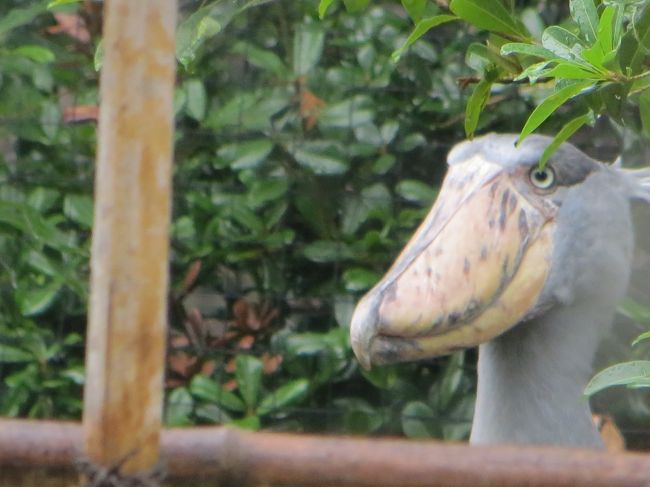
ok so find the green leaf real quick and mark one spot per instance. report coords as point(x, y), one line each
point(476, 103)
point(533, 21)
point(50, 119)
point(641, 29)
point(213, 414)
point(21, 16)
point(286, 395)
point(194, 31)
point(477, 57)
point(644, 111)
point(248, 371)
point(563, 135)
point(249, 110)
point(349, 113)
point(501, 63)
point(451, 380)
point(37, 54)
point(322, 251)
point(43, 199)
point(417, 420)
point(323, 6)
point(586, 16)
point(535, 71)
point(422, 27)
point(490, 15)
point(61, 3)
point(246, 217)
point(209, 390)
point(320, 160)
point(196, 99)
point(266, 190)
point(359, 417)
point(250, 423)
point(550, 104)
point(306, 344)
point(354, 6)
point(384, 163)
point(246, 155)
point(634, 310)
point(603, 46)
point(307, 47)
point(344, 305)
point(562, 43)
point(572, 70)
point(631, 374)
point(605, 36)
point(262, 58)
point(415, 8)
point(617, 27)
point(179, 408)
point(416, 191)
point(79, 208)
point(35, 301)
point(98, 57)
point(205, 23)
point(12, 355)
point(375, 200)
point(359, 279)
point(75, 374)
point(641, 337)
point(41, 263)
point(30, 222)
point(527, 50)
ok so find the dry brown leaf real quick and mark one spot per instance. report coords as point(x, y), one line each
point(81, 113)
point(240, 313)
point(179, 362)
point(609, 432)
point(72, 25)
point(208, 368)
point(246, 342)
point(270, 363)
point(230, 385)
point(310, 106)
point(230, 366)
point(190, 276)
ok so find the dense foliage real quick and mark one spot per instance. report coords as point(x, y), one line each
point(306, 154)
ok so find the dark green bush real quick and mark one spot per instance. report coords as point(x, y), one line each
point(305, 157)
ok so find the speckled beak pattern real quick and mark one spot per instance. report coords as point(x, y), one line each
point(475, 267)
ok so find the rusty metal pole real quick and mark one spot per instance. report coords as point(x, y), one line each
point(226, 457)
point(127, 316)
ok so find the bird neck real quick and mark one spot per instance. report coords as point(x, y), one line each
point(531, 380)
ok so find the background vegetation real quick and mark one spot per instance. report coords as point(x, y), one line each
point(306, 154)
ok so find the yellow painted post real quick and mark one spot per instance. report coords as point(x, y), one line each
point(127, 315)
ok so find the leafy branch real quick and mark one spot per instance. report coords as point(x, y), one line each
point(598, 60)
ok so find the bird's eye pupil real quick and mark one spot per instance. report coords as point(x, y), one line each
point(542, 178)
point(541, 175)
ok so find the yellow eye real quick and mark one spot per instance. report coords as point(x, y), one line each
point(542, 178)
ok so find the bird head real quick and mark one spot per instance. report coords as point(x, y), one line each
point(504, 242)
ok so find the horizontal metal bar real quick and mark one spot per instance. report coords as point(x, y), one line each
point(224, 456)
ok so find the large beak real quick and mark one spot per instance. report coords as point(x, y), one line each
point(474, 268)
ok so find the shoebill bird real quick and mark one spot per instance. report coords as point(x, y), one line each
point(529, 264)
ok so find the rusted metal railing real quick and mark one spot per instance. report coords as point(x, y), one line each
point(221, 456)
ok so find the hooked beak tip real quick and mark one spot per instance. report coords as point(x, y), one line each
point(362, 332)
